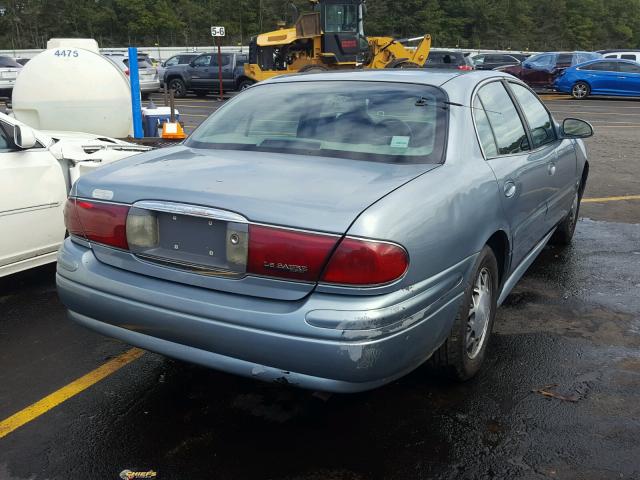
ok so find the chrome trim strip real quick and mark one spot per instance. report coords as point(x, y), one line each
point(294, 229)
point(32, 208)
point(191, 210)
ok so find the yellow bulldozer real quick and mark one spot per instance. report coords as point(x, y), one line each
point(331, 37)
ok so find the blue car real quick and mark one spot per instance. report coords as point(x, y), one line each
point(601, 77)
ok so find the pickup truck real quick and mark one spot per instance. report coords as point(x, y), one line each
point(37, 170)
point(201, 75)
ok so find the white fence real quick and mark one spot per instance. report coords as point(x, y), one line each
point(163, 53)
point(159, 53)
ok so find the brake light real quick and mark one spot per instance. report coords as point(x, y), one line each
point(126, 72)
point(366, 262)
point(97, 222)
point(466, 68)
point(291, 254)
point(295, 255)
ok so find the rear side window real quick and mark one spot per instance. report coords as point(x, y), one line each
point(539, 120)
point(504, 119)
point(601, 67)
point(629, 67)
point(226, 60)
point(485, 134)
point(7, 62)
point(628, 56)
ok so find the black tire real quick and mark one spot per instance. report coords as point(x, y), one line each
point(402, 63)
point(313, 69)
point(178, 87)
point(460, 357)
point(201, 93)
point(244, 84)
point(145, 95)
point(580, 90)
point(566, 228)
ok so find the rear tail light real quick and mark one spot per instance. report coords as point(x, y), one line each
point(366, 262)
point(126, 72)
point(97, 222)
point(266, 251)
point(298, 255)
point(277, 252)
point(466, 68)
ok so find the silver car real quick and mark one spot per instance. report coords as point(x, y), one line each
point(9, 70)
point(332, 231)
point(148, 74)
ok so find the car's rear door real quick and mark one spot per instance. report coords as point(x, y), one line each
point(227, 72)
point(32, 195)
point(602, 77)
point(559, 155)
point(629, 78)
point(522, 175)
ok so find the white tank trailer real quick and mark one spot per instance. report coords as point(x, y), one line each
point(71, 87)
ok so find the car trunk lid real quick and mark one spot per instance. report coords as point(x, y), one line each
point(204, 200)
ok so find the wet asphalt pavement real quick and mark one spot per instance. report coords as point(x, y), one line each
point(559, 396)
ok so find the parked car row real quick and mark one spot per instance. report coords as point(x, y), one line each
point(9, 70)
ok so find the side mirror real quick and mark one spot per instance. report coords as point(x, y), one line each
point(575, 128)
point(24, 137)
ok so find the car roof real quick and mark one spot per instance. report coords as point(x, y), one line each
point(427, 76)
point(608, 60)
point(620, 50)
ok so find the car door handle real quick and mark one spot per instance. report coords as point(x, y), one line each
point(551, 168)
point(509, 189)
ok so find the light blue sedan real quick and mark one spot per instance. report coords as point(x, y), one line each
point(601, 77)
point(332, 231)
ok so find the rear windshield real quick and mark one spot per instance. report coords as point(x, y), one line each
point(376, 121)
point(7, 62)
point(143, 62)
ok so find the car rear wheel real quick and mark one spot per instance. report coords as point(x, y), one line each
point(201, 93)
point(580, 91)
point(178, 87)
point(462, 354)
point(564, 233)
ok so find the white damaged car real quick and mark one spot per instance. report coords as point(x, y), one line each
point(37, 170)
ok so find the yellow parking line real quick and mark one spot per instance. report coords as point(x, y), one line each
point(611, 199)
point(65, 393)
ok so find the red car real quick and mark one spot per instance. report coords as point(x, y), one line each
point(541, 70)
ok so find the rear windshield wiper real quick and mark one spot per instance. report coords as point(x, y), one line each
point(423, 102)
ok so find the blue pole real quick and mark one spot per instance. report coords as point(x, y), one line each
point(134, 79)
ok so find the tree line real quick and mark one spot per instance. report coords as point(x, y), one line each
point(490, 24)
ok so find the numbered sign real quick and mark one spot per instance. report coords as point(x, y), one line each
point(217, 31)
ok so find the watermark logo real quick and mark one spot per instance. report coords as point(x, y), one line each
point(130, 475)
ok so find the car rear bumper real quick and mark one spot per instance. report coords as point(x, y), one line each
point(297, 342)
point(147, 87)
